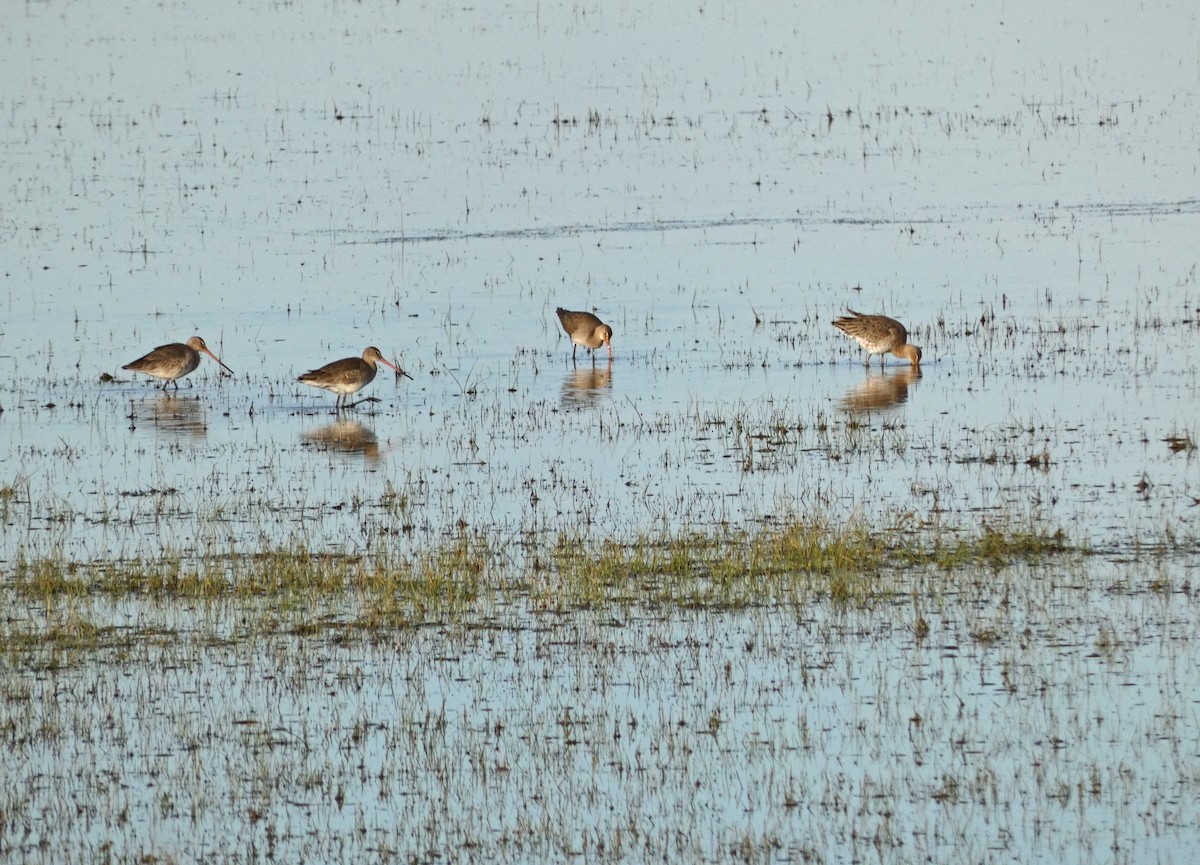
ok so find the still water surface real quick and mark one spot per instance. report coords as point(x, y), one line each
point(299, 180)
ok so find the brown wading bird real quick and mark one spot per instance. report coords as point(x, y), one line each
point(173, 361)
point(879, 335)
point(586, 330)
point(349, 375)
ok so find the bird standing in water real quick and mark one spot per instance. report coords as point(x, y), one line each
point(586, 330)
point(879, 335)
point(173, 361)
point(349, 375)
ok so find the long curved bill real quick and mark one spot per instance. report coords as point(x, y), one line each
point(399, 372)
point(218, 360)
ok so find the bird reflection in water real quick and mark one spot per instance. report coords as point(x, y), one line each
point(582, 387)
point(882, 391)
point(344, 436)
point(178, 416)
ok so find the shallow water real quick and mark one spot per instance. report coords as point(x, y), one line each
point(299, 181)
point(1044, 713)
point(1031, 233)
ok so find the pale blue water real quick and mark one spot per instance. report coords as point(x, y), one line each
point(297, 181)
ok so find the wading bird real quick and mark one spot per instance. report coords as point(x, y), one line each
point(879, 335)
point(349, 375)
point(586, 330)
point(173, 361)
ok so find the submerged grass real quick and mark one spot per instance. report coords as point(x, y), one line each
point(726, 569)
point(791, 562)
point(463, 577)
point(174, 576)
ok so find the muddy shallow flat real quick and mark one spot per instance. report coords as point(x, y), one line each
point(296, 183)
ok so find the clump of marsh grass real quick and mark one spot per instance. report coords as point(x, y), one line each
point(11, 494)
point(787, 562)
point(227, 575)
point(998, 547)
point(443, 581)
point(724, 569)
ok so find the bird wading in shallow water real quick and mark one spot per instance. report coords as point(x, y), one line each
point(349, 375)
point(586, 330)
point(173, 361)
point(879, 335)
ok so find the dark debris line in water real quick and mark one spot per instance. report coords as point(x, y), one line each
point(1147, 208)
point(559, 231)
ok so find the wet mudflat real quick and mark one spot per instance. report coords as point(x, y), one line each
point(729, 595)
